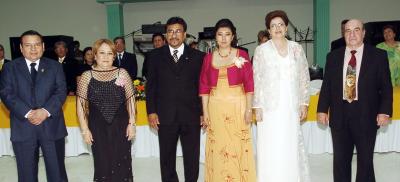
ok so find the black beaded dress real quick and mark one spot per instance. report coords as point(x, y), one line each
point(108, 103)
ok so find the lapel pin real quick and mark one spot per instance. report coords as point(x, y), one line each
point(42, 70)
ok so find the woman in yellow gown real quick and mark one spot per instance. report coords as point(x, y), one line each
point(226, 88)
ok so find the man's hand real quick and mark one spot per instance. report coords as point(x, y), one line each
point(37, 116)
point(322, 118)
point(382, 119)
point(153, 120)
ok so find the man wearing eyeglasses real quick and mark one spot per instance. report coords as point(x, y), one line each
point(33, 89)
point(173, 103)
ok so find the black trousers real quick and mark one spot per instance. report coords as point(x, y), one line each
point(27, 157)
point(189, 136)
point(350, 136)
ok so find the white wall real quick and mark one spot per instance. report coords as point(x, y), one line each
point(366, 10)
point(85, 20)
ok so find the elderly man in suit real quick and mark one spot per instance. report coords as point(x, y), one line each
point(173, 102)
point(33, 89)
point(69, 64)
point(125, 59)
point(357, 93)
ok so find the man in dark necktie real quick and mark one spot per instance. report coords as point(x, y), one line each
point(125, 59)
point(357, 93)
point(33, 89)
point(173, 102)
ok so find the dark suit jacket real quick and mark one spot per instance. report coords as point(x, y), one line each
point(128, 62)
point(172, 88)
point(16, 91)
point(71, 69)
point(375, 92)
point(144, 66)
point(338, 43)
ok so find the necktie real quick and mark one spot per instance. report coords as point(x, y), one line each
point(119, 59)
point(175, 55)
point(33, 72)
point(351, 78)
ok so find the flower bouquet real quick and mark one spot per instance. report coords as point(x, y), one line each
point(139, 86)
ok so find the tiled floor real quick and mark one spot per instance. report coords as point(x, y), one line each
point(387, 168)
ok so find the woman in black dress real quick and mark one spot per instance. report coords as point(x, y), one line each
point(105, 107)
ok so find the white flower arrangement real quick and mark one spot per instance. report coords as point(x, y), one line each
point(120, 81)
point(239, 61)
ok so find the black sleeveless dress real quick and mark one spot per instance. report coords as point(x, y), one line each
point(108, 119)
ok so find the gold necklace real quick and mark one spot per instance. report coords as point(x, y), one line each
point(230, 50)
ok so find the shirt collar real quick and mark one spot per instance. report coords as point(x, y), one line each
point(180, 49)
point(28, 63)
point(359, 49)
point(122, 53)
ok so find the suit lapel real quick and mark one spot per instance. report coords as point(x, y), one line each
point(183, 59)
point(23, 69)
point(341, 62)
point(364, 65)
point(41, 70)
point(169, 60)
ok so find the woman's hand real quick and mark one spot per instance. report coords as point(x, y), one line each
point(303, 112)
point(87, 136)
point(248, 116)
point(130, 132)
point(205, 121)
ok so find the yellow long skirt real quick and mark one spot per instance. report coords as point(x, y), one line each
point(229, 152)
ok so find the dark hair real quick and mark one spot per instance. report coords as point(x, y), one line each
point(60, 43)
point(1, 47)
point(261, 34)
point(76, 43)
point(227, 23)
point(157, 35)
point(30, 33)
point(273, 14)
point(344, 21)
point(389, 26)
point(86, 49)
point(119, 37)
point(176, 20)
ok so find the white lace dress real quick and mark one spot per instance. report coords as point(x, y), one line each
point(281, 87)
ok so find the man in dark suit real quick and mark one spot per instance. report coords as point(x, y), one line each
point(125, 59)
point(340, 41)
point(33, 89)
point(173, 102)
point(69, 64)
point(3, 60)
point(357, 93)
point(158, 41)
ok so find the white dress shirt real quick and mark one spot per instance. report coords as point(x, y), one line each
point(180, 50)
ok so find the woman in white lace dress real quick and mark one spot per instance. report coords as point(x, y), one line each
point(281, 80)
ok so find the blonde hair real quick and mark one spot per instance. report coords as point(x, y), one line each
point(100, 42)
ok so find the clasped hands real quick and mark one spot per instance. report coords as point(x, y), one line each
point(37, 116)
point(381, 119)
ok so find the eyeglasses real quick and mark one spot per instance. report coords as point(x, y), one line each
point(177, 31)
point(275, 26)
